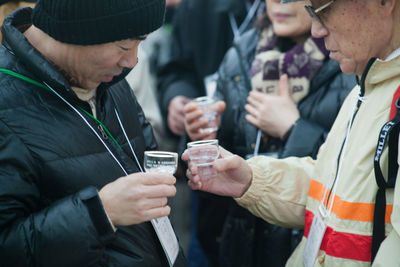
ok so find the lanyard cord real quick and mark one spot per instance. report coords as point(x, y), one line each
point(48, 88)
point(340, 157)
point(90, 126)
point(257, 146)
point(129, 142)
point(22, 77)
point(237, 31)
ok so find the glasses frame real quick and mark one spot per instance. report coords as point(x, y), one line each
point(314, 12)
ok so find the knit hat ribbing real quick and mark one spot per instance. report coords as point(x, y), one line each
point(89, 22)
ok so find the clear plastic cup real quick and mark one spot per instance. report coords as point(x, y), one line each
point(206, 103)
point(203, 154)
point(160, 161)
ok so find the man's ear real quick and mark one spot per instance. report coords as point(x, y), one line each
point(388, 6)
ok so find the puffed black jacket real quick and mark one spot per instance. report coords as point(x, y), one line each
point(244, 239)
point(52, 164)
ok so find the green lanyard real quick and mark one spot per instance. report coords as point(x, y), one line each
point(29, 80)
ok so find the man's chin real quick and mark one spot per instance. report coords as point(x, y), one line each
point(88, 85)
point(346, 70)
point(347, 67)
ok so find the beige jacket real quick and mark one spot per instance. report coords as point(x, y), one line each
point(287, 192)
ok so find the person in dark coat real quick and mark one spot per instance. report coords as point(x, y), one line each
point(262, 118)
point(72, 137)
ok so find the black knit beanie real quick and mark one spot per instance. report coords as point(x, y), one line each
point(89, 22)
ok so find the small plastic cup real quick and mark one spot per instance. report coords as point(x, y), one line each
point(206, 103)
point(160, 161)
point(203, 154)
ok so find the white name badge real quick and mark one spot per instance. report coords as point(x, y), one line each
point(167, 238)
point(313, 243)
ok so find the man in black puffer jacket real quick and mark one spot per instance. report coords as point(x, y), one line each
point(72, 137)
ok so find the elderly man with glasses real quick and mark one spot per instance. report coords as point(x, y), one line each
point(346, 199)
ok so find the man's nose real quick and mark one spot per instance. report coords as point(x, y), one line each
point(318, 30)
point(129, 60)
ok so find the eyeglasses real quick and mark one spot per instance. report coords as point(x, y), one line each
point(314, 12)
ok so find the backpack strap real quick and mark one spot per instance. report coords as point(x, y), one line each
point(389, 132)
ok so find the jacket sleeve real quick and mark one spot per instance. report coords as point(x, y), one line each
point(278, 192)
point(38, 232)
point(390, 247)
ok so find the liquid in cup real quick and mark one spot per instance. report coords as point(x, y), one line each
point(205, 103)
point(203, 154)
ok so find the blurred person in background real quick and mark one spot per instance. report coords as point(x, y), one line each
point(282, 94)
point(349, 209)
point(7, 6)
point(153, 53)
point(203, 30)
point(72, 140)
point(143, 83)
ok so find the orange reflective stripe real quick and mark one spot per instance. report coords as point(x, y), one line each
point(355, 211)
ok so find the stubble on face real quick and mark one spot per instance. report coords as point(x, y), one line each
point(73, 82)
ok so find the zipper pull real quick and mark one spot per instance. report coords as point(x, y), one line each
point(103, 133)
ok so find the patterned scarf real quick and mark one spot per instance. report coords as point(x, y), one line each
point(300, 63)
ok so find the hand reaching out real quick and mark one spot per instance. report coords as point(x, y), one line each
point(233, 176)
point(274, 115)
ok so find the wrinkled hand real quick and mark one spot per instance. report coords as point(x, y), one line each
point(233, 176)
point(274, 115)
point(138, 197)
point(193, 121)
point(176, 115)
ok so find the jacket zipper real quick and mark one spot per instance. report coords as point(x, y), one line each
point(103, 133)
point(361, 83)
